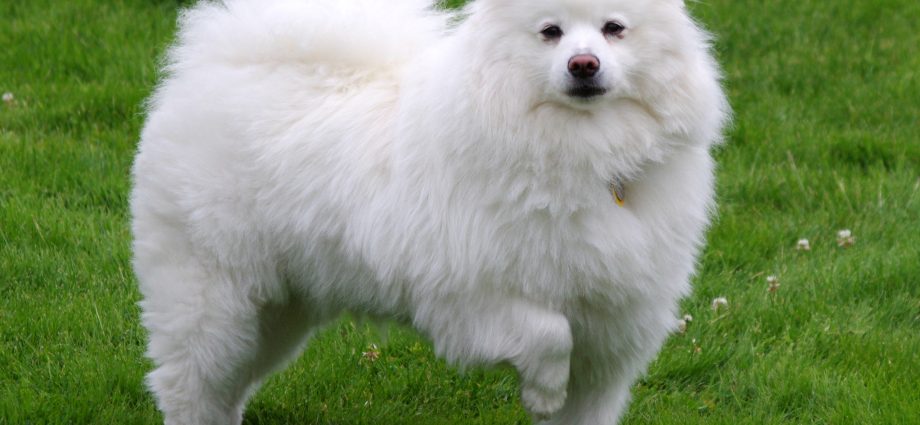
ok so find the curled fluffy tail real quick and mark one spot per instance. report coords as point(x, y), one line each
point(376, 33)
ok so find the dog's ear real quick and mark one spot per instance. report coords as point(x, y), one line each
point(682, 4)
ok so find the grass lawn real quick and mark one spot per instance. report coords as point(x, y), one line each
point(826, 136)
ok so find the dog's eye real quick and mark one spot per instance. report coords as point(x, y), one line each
point(551, 32)
point(613, 28)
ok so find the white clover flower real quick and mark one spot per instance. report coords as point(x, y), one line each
point(372, 354)
point(803, 245)
point(682, 325)
point(8, 98)
point(773, 283)
point(719, 302)
point(696, 347)
point(688, 318)
point(845, 238)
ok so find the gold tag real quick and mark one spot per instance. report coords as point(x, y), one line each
point(617, 190)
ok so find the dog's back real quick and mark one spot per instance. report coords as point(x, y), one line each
point(261, 102)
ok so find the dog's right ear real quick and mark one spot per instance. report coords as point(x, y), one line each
point(680, 3)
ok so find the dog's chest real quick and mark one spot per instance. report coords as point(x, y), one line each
point(603, 250)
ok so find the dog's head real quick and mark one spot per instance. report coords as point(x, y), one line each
point(581, 53)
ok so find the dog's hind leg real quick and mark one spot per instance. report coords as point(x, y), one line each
point(212, 342)
point(532, 338)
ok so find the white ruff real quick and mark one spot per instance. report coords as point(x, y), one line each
point(303, 158)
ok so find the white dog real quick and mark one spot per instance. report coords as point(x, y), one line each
point(527, 181)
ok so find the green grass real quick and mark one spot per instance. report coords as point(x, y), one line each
point(826, 136)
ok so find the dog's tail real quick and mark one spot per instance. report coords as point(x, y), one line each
point(360, 33)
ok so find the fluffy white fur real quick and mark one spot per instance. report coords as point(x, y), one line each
point(302, 158)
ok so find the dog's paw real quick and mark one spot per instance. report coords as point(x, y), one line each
point(541, 403)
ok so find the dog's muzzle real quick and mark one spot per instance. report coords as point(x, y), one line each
point(583, 70)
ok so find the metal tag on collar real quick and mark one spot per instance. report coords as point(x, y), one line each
point(617, 190)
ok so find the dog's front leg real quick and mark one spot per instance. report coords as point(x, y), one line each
point(488, 330)
point(612, 347)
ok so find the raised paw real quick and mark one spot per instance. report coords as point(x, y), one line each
point(541, 403)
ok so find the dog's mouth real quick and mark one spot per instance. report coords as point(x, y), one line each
point(586, 91)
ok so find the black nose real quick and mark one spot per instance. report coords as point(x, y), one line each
point(584, 66)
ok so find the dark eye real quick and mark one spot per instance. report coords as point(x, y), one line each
point(552, 32)
point(613, 28)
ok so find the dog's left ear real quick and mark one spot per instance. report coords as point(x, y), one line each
point(682, 4)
